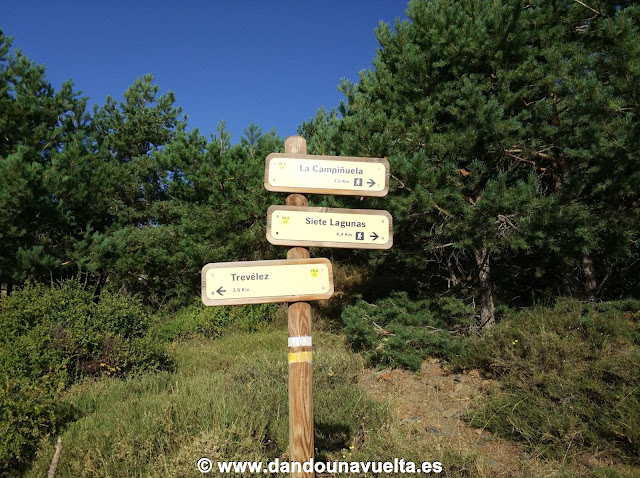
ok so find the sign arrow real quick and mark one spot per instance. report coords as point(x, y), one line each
point(374, 236)
point(297, 173)
point(260, 282)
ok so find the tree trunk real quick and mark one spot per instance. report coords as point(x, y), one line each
point(589, 278)
point(102, 279)
point(6, 289)
point(487, 309)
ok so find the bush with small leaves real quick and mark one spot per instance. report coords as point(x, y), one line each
point(400, 332)
point(51, 336)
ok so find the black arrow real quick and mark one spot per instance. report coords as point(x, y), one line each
point(221, 290)
point(374, 236)
point(371, 182)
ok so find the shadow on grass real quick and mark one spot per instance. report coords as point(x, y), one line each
point(330, 437)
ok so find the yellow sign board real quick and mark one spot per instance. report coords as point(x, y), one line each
point(258, 282)
point(329, 227)
point(302, 173)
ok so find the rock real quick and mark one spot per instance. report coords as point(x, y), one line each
point(458, 378)
point(491, 463)
point(451, 412)
point(434, 431)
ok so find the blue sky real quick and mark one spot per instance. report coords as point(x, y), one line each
point(269, 62)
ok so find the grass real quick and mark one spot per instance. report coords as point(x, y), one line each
point(53, 335)
point(226, 400)
point(569, 394)
point(570, 381)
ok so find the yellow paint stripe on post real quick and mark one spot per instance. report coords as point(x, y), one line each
point(295, 357)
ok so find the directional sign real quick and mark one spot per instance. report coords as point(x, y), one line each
point(329, 227)
point(233, 283)
point(301, 173)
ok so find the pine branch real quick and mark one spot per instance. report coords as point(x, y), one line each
point(382, 331)
point(588, 7)
point(444, 245)
point(443, 211)
point(402, 185)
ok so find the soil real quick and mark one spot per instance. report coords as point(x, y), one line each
point(434, 403)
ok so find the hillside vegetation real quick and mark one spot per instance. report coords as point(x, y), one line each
point(512, 129)
point(570, 415)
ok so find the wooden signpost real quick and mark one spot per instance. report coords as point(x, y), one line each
point(299, 278)
point(259, 282)
point(301, 173)
point(329, 227)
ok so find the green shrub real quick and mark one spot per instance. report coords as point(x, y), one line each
point(28, 411)
point(50, 336)
point(66, 332)
point(570, 377)
point(399, 332)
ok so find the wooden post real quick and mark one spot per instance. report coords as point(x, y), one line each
point(300, 353)
point(55, 460)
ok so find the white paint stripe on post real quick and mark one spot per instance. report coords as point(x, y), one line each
point(301, 341)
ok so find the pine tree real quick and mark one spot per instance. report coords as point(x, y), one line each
point(434, 105)
point(215, 212)
point(512, 132)
point(129, 133)
point(33, 121)
point(584, 123)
